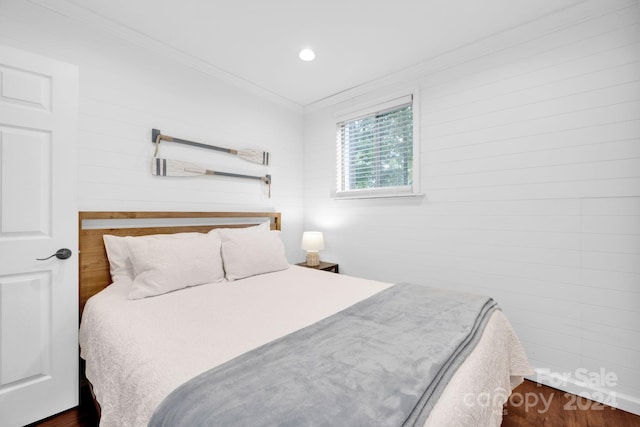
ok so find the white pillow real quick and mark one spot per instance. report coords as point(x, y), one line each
point(251, 251)
point(165, 265)
point(118, 254)
point(263, 227)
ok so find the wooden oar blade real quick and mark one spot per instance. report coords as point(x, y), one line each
point(167, 167)
point(254, 156)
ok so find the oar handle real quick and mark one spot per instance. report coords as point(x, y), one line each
point(155, 133)
point(266, 179)
point(233, 175)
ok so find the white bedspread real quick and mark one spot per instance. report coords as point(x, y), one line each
point(138, 351)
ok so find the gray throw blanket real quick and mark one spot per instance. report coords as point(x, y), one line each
point(381, 362)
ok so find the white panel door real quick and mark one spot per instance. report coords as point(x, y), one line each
point(38, 216)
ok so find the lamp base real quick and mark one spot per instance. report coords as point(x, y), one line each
point(313, 259)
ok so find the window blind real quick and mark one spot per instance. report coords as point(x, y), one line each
point(375, 151)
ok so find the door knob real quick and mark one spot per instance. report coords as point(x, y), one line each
point(63, 253)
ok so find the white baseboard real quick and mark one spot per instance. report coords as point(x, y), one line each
point(591, 385)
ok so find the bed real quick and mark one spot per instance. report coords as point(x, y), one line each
point(140, 352)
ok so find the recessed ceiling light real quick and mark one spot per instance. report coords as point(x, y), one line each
point(306, 54)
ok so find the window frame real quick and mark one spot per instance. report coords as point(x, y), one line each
point(387, 103)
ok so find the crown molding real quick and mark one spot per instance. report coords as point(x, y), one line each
point(507, 39)
point(512, 38)
point(75, 11)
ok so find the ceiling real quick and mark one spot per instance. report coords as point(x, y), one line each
point(356, 41)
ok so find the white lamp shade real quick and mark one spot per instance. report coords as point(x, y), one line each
point(312, 241)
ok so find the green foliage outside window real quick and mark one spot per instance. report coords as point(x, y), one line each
point(377, 150)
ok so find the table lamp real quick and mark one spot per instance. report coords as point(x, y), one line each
point(312, 242)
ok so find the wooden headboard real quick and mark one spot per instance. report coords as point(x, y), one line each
point(94, 266)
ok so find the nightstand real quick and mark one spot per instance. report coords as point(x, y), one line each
point(326, 266)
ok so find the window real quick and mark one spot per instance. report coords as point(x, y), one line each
point(375, 152)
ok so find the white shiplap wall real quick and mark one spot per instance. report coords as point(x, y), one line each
point(530, 147)
point(125, 91)
point(530, 165)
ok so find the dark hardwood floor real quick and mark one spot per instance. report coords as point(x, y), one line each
point(562, 410)
point(84, 415)
point(550, 407)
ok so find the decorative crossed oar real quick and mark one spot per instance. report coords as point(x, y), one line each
point(251, 155)
point(167, 167)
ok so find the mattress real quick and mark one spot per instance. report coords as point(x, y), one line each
point(138, 351)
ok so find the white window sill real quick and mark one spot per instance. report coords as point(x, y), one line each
point(372, 195)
